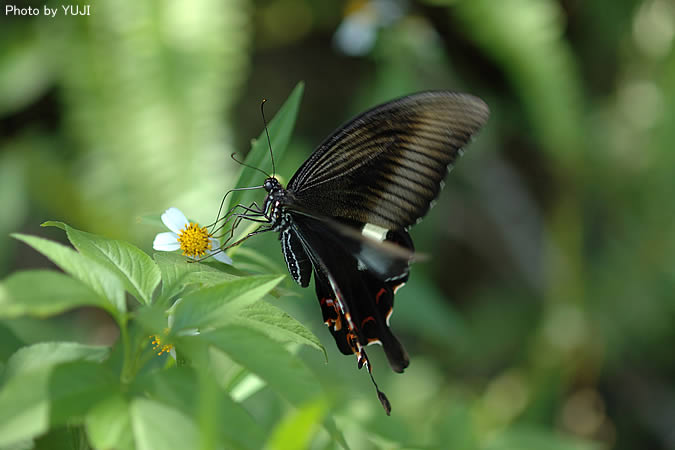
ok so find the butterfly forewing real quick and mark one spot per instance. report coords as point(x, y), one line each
point(386, 166)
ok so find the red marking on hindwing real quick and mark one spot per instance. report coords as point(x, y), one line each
point(366, 320)
point(379, 294)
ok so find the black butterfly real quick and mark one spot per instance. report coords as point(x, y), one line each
point(345, 213)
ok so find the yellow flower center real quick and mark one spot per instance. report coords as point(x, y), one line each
point(194, 241)
point(158, 346)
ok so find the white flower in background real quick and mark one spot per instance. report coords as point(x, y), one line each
point(193, 240)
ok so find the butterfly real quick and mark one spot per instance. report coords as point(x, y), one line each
point(344, 216)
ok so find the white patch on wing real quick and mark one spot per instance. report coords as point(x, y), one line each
point(374, 232)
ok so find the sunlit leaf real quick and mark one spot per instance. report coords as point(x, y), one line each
point(102, 281)
point(298, 428)
point(137, 270)
point(275, 323)
point(211, 306)
point(177, 272)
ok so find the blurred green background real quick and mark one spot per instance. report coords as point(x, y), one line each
point(545, 316)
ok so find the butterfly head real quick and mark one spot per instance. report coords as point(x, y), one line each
point(271, 184)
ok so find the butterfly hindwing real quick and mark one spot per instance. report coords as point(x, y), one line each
point(355, 302)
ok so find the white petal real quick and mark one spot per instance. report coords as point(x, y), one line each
point(222, 257)
point(174, 219)
point(166, 242)
point(217, 255)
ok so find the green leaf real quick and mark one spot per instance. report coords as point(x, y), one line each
point(177, 388)
point(284, 372)
point(9, 343)
point(212, 306)
point(103, 282)
point(529, 438)
point(280, 130)
point(177, 272)
point(40, 387)
point(50, 354)
point(44, 293)
point(276, 324)
point(24, 408)
point(298, 428)
point(137, 270)
point(74, 388)
point(108, 424)
point(156, 426)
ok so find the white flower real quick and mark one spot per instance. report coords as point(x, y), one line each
point(158, 340)
point(193, 240)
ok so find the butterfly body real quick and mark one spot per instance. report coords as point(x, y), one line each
point(344, 215)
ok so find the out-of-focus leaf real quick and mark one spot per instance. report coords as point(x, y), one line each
point(137, 270)
point(177, 388)
point(298, 428)
point(108, 424)
point(13, 198)
point(55, 390)
point(275, 323)
point(525, 37)
point(24, 72)
point(24, 408)
point(152, 119)
point(74, 388)
point(422, 309)
point(49, 354)
point(215, 305)
point(9, 343)
point(285, 373)
point(156, 425)
point(535, 439)
point(280, 130)
point(44, 293)
point(103, 282)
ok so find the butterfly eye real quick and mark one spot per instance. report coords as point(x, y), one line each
point(269, 184)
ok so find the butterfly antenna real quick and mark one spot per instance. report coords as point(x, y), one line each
point(248, 165)
point(269, 142)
